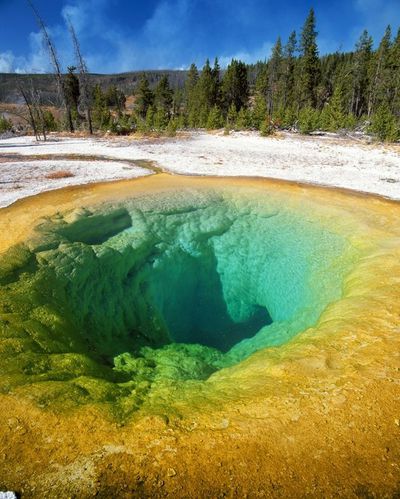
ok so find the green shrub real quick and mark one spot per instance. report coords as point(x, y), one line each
point(278, 117)
point(215, 119)
point(259, 113)
point(122, 125)
point(333, 116)
point(244, 119)
point(50, 122)
point(267, 128)
point(231, 117)
point(149, 123)
point(385, 125)
point(289, 118)
point(160, 120)
point(172, 127)
point(350, 121)
point(5, 124)
point(101, 118)
point(308, 120)
point(203, 116)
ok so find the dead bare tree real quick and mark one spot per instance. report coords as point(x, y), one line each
point(38, 110)
point(31, 113)
point(86, 91)
point(55, 63)
point(36, 116)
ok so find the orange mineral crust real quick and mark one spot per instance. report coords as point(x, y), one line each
point(192, 337)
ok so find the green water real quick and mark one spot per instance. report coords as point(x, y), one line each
point(166, 287)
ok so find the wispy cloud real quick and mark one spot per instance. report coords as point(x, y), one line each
point(7, 62)
point(174, 33)
point(249, 57)
point(36, 61)
point(376, 14)
point(169, 37)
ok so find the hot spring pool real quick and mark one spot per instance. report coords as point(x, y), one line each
point(168, 286)
point(168, 333)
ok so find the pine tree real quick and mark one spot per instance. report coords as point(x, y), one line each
point(163, 97)
point(5, 124)
point(333, 116)
point(191, 96)
point(310, 64)
point(384, 124)
point(216, 93)
point(235, 85)
point(160, 119)
point(172, 127)
point(380, 72)
point(115, 98)
point(101, 113)
point(178, 101)
point(274, 77)
point(342, 77)
point(72, 91)
point(144, 97)
point(231, 117)
point(243, 121)
point(215, 119)
point(290, 118)
point(360, 74)
point(149, 121)
point(206, 90)
point(260, 111)
point(308, 120)
point(394, 85)
point(261, 85)
point(289, 69)
point(191, 81)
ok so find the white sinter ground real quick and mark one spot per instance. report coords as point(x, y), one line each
point(318, 160)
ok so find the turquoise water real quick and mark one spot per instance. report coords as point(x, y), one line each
point(172, 286)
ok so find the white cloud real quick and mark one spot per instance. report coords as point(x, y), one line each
point(87, 16)
point(36, 61)
point(259, 54)
point(7, 60)
point(375, 15)
point(167, 19)
point(166, 39)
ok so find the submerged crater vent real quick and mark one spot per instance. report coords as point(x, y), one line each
point(173, 286)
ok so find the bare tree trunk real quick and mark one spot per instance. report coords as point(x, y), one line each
point(89, 120)
point(69, 120)
point(56, 65)
point(86, 93)
point(32, 119)
point(36, 101)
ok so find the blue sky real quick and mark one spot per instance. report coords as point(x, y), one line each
point(123, 35)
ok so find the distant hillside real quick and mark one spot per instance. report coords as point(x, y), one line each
point(9, 83)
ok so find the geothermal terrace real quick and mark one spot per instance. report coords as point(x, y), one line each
point(328, 160)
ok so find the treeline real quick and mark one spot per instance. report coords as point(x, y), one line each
point(296, 89)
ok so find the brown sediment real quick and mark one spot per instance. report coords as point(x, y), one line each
point(17, 157)
point(319, 417)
